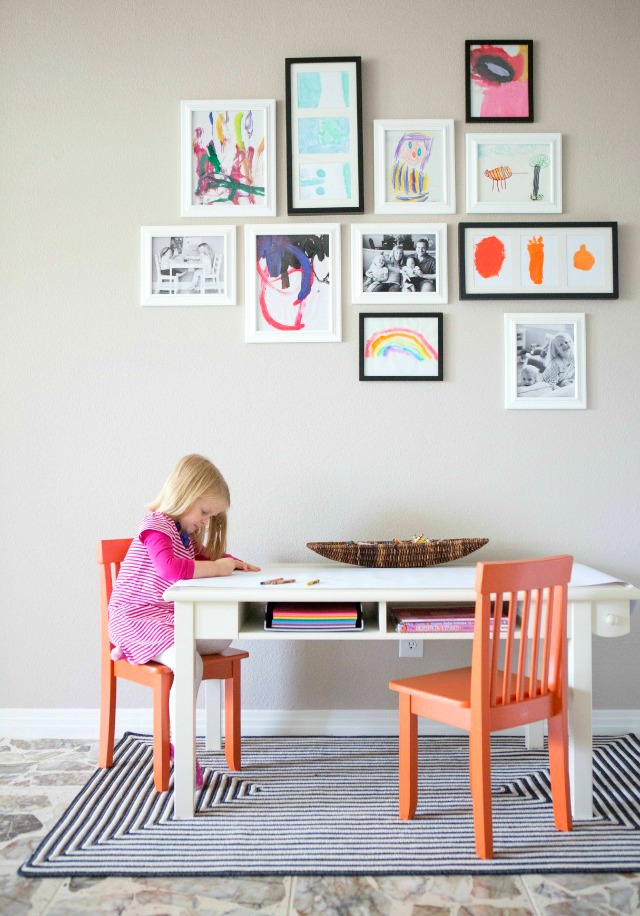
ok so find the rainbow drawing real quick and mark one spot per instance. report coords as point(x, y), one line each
point(404, 341)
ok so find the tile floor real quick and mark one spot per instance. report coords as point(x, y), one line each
point(39, 778)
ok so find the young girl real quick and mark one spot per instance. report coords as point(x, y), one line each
point(377, 273)
point(560, 368)
point(183, 537)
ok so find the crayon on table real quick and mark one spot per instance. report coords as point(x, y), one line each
point(313, 581)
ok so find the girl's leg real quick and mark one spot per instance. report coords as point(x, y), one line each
point(203, 647)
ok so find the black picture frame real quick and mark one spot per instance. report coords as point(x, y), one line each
point(412, 345)
point(295, 201)
point(571, 273)
point(500, 78)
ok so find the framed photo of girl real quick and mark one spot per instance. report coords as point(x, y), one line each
point(324, 135)
point(228, 158)
point(181, 265)
point(292, 285)
point(399, 264)
point(545, 361)
point(499, 80)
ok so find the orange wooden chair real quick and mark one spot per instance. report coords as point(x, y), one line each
point(530, 685)
point(225, 666)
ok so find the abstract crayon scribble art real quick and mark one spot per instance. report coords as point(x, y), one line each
point(499, 75)
point(294, 282)
point(228, 157)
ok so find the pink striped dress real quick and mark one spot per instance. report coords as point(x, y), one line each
point(140, 620)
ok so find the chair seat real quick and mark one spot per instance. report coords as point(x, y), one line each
point(450, 686)
point(453, 686)
point(220, 666)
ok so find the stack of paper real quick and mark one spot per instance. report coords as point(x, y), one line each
point(303, 616)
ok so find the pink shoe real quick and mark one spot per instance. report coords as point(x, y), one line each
point(199, 773)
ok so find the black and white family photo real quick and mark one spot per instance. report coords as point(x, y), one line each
point(399, 264)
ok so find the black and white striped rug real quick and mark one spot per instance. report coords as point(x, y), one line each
point(328, 806)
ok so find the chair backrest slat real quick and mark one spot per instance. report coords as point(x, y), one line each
point(109, 555)
point(508, 649)
point(495, 646)
point(532, 668)
point(537, 589)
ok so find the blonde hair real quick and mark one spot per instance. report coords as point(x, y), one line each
point(195, 477)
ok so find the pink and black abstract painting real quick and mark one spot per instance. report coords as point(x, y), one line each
point(499, 80)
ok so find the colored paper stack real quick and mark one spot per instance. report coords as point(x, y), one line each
point(438, 620)
point(303, 616)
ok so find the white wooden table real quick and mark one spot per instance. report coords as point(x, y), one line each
point(225, 608)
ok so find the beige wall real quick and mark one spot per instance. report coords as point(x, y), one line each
point(101, 396)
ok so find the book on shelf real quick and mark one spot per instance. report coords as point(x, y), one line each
point(447, 619)
point(313, 616)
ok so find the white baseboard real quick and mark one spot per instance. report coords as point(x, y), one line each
point(83, 723)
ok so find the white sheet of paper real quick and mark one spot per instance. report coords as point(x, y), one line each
point(343, 577)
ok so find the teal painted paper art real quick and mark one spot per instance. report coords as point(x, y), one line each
point(323, 90)
point(323, 135)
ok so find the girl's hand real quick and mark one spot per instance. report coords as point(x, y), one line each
point(245, 567)
point(225, 566)
point(222, 567)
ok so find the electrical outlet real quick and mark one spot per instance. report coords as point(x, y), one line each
point(410, 648)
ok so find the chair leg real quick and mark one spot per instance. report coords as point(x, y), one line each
point(559, 769)
point(161, 735)
point(108, 687)
point(480, 763)
point(213, 715)
point(408, 758)
point(232, 718)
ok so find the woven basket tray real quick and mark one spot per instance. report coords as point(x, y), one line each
point(397, 553)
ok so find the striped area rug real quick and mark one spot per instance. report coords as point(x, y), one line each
point(328, 806)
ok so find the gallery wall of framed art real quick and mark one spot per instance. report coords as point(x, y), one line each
point(292, 271)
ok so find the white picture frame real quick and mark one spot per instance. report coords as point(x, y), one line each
point(188, 265)
point(514, 173)
point(541, 373)
point(398, 282)
point(292, 283)
point(219, 139)
point(414, 166)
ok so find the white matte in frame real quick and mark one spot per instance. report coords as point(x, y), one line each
point(222, 287)
point(515, 186)
point(441, 178)
point(332, 331)
point(262, 207)
point(553, 399)
point(360, 231)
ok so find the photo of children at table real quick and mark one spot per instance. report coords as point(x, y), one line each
point(399, 264)
point(545, 361)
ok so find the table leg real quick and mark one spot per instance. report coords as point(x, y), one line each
point(534, 736)
point(184, 733)
point(580, 709)
point(213, 715)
